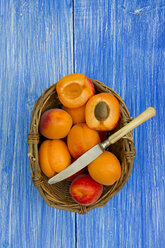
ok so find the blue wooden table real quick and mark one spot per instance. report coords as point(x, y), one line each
point(120, 43)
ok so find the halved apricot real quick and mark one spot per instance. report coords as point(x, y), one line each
point(74, 90)
point(102, 112)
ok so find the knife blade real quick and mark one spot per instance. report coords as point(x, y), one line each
point(97, 150)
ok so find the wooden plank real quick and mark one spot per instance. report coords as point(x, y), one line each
point(122, 44)
point(35, 51)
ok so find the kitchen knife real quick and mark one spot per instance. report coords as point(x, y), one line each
point(97, 150)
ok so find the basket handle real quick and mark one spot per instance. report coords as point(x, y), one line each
point(147, 114)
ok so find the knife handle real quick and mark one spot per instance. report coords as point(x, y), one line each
point(147, 114)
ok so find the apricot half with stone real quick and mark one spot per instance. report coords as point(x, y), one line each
point(74, 90)
point(102, 112)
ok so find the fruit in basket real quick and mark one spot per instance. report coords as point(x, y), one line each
point(74, 90)
point(85, 190)
point(92, 116)
point(102, 112)
point(105, 169)
point(53, 157)
point(77, 114)
point(55, 124)
point(81, 138)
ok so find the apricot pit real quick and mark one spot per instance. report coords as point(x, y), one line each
point(101, 111)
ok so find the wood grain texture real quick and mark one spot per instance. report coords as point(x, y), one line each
point(120, 43)
point(36, 50)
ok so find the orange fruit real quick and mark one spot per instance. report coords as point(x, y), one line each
point(105, 169)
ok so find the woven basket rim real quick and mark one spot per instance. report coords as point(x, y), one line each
point(34, 139)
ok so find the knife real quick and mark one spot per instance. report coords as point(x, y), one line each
point(97, 150)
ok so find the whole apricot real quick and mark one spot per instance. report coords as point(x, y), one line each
point(55, 124)
point(102, 112)
point(77, 114)
point(85, 190)
point(105, 169)
point(74, 90)
point(53, 157)
point(81, 138)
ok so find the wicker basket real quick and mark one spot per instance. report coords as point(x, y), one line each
point(57, 195)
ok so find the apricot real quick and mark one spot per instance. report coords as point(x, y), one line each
point(53, 157)
point(85, 190)
point(102, 112)
point(55, 124)
point(74, 90)
point(105, 169)
point(81, 138)
point(77, 114)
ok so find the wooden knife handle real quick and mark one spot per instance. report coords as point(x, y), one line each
point(147, 114)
